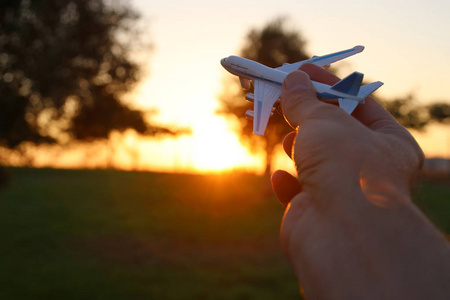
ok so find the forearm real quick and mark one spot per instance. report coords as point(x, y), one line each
point(408, 256)
point(377, 253)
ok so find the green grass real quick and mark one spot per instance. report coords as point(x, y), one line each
point(433, 198)
point(101, 234)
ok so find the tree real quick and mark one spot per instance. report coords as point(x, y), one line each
point(417, 116)
point(407, 112)
point(440, 112)
point(272, 46)
point(64, 68)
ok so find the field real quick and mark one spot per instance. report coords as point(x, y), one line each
point(102, 234)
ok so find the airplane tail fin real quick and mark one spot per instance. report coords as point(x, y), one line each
point(350, 84)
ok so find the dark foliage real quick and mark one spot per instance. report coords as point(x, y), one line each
point(64, 68)
point(440, 112)
point(407, 112)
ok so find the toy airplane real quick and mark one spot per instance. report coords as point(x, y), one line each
point(268, 81)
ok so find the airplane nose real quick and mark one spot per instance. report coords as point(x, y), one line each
point(222, 61)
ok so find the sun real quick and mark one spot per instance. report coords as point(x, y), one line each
point(217, 147)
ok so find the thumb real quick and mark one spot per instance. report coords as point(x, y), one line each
point(298, 98)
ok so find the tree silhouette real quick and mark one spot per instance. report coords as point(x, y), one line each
point(64, 69)
point(272, 46)
point(439, 112)
point(409, 113)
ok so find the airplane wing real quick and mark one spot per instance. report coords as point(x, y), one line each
point(322, 61)
point(266, 95)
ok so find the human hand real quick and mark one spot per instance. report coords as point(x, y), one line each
point(349, 223)
point(370, 147)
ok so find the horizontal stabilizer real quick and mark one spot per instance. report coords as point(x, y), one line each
point(368, 89)
point(348, 105)
point(350, 84)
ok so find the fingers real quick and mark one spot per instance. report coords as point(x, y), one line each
point(298, 98)
point(285, 186)
point(288, 143)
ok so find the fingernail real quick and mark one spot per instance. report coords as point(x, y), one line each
point(297, 80)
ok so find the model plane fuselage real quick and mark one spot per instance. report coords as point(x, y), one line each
point(252, 70)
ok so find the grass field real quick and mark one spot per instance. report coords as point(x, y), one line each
point(101, 234)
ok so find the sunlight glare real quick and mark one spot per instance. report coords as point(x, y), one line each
point(217, 148)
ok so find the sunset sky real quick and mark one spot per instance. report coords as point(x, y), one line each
point(406, 46)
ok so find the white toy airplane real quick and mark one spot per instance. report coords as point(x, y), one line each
point(268, 81)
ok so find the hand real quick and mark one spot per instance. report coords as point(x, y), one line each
point(370, 146)
point(349, 216)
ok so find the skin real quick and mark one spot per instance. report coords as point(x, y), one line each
point(350, 229)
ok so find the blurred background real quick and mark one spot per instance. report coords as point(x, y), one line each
point(128, 170)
